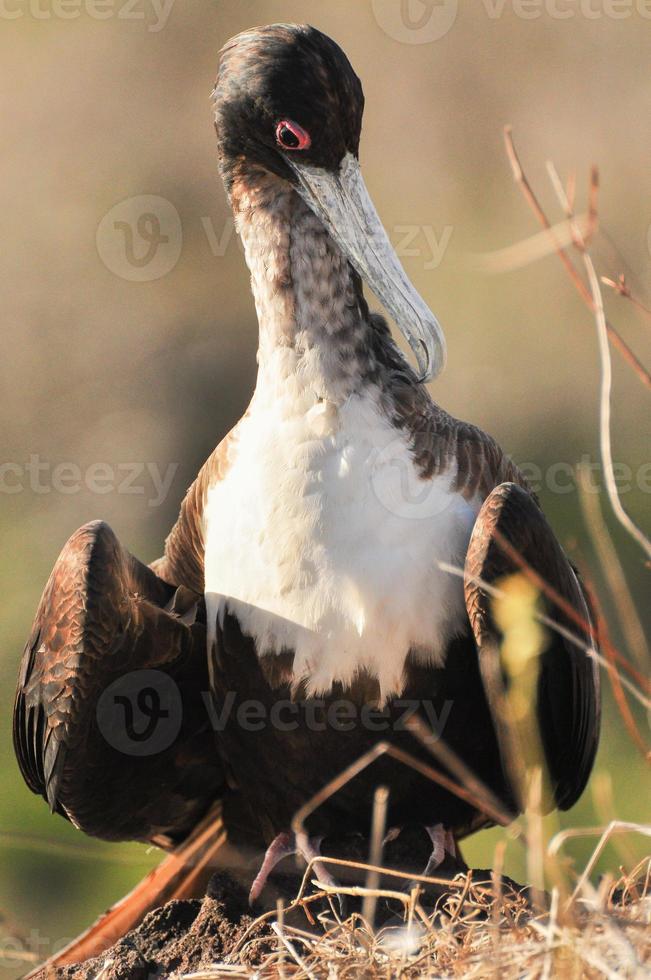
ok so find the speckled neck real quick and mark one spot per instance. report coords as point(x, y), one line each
point(314, 323)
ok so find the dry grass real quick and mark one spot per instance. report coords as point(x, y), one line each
point(474, 930)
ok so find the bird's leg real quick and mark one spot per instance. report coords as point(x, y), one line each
point(392, 834)
point(443, 843)
point(310, 848)
point(281, 847)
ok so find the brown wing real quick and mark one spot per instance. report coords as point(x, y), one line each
point(510, 524)
point(182, 562)
point(110, 725)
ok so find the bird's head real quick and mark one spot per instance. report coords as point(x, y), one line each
point(288, 103)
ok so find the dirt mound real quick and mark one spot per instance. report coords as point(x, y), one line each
point(184, 937)
point(178, 938)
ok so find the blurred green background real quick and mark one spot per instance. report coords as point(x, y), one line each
point(103, 104)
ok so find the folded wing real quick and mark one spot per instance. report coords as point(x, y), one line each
point(511, 532)
point(110, 721)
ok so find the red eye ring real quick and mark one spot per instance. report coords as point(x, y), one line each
point(291, 136)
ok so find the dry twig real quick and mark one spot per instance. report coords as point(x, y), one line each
point(521, 179)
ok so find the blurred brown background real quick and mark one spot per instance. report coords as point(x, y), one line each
point(120, 348)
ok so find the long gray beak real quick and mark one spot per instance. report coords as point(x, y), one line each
point(343, 203)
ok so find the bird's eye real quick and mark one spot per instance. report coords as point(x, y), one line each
point(291, 136)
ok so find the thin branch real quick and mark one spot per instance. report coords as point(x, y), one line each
point(486, 805)
point(612, 569)
point(570, 189)
point(616, 827)
point(291, 949)
point(521, 179)
point(616, 682)
point(606, 380)
point(18, 839)
point(603, 802)
point(528, 250)
point(593, 211)
point(622, 288)
point(453, 763)
point(360, 866)
point(378, 827)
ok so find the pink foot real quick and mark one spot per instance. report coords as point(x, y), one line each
point(281, 847)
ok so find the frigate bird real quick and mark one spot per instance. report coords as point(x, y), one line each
point(320, 533)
